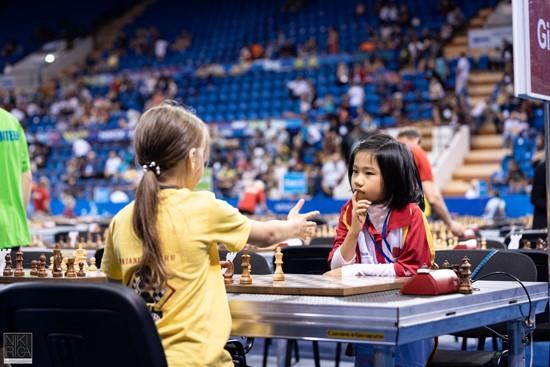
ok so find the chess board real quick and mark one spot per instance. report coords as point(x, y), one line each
point(91, 277)
point(315, 285)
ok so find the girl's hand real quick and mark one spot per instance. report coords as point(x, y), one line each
point(301, 225)
point(359, 213)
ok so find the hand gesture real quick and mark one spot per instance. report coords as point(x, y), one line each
point(359, 213)
point(456, 228)
point(301, 225)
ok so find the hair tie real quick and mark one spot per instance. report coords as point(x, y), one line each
point(150, 166)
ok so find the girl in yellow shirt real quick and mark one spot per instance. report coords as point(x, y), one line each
point(164, 244)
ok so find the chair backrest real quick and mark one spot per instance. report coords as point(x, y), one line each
point(82, 324)
point(306, 259)
point(540, 258)
point(512, 262)
point(258, 263)
point(322, 241)
point(496, 244)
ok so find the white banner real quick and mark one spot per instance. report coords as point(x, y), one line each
point(489, 37)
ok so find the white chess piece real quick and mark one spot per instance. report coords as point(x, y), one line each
point(514, 240)
point(230, 256)
point(3, 254)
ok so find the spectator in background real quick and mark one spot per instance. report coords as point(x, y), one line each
point(462, 74)
point(342, 74)
point(333, 42)
point(81, 148)
point(41, 196)
point(15, 183)
point(538, 197)
point(333, 171)
point(160, 49)
point(112, 164)
point(356, 95)
point(516, 180)
point(411, 138)
point(253, 195)
point(495, 208)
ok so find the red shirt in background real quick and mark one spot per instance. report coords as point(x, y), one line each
point(250, 199)
point(422, 163)
point(40, 199)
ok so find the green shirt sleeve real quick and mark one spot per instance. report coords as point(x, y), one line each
point(23, 150)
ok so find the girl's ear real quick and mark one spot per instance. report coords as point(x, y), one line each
point(192, 158)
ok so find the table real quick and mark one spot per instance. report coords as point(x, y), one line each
point(388, 319)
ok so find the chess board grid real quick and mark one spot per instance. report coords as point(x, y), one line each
point(314, 285)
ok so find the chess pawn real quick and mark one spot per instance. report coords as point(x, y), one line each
point(434, 266)
point(42, 273)
point(92, 266)
point(246, 279)
point(278, 275)
point(81, 273)
point(19, 271)
point(8, 271)
point(34, 268)
point(446, 264)
point(70, 273)
point(483, 243)
point(526, 244)
point(540, 244)
point(465, 277)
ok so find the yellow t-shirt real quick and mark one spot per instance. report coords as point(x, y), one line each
point(191, 312)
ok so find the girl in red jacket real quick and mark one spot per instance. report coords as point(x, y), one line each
point(382, 230)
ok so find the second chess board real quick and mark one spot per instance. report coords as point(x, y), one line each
point(315, 285)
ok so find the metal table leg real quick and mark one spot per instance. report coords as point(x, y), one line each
point(515, 343)
point(384, 356)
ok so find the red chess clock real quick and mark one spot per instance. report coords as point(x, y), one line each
point(431, 283)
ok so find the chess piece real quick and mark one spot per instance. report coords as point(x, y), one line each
point(465, 277)
point(70, 273)
point(435, 266)
point(34, 268)
point(526, 244)
point(228, 275)
point(81, 272)
point(51, 263)
point(19, 272)
point(278, 275)
point(57, 259)
point(8, 271)
point(483, 243)
point(92, 266)
point(42, 273)
point(446, 264)
point(245, 276)
point(64, 263)
point(540, 244)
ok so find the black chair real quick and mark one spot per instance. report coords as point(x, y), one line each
point(258, 263)
point(496, 244)
point(512, 262)
point(81, 325)
point(312, 259)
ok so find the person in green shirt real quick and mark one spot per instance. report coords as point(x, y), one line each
point(15, 183)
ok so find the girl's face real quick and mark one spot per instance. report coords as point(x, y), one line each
point(366, 178)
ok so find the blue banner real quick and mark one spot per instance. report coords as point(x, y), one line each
point(295, 183)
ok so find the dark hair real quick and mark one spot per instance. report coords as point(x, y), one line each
point(401, 179)
point(163, 138)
